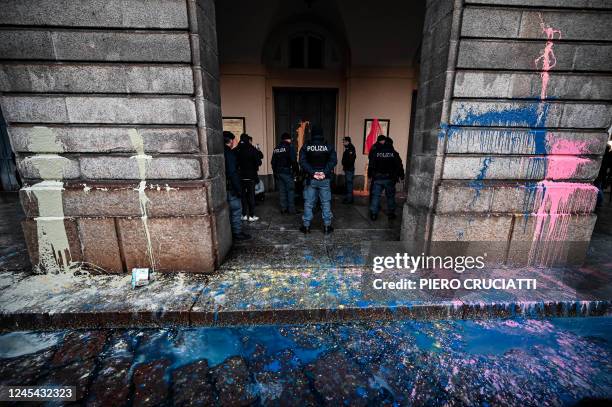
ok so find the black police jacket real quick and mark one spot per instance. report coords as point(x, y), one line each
point(382, 162)
point(318, 156)
point(348, 158)
point(284, 158)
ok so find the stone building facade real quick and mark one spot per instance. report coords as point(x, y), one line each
point(511, 125)
point(114, 113)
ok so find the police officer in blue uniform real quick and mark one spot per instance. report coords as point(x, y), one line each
point(284, 166)
point(317, 159)
point(382, 170)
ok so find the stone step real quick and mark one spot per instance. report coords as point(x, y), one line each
point(264, 296)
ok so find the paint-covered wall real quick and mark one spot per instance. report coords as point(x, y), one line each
point(510, 126)
point(115, 120)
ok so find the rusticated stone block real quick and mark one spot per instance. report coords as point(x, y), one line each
point(48, 166)
point(95, 46)
point(526, 114)
point(109, 167)
point(217, 193)
point(517, 23)
point(462, 140)
point(529, 168)
point(213, 165)
point(104, 139)
point(99, 244)
point(92, 109)
point(464, 198)
point(212, 139)
point(490, 22)
point(82, 200)
point(471, 234)
point(212, 115)
point(188, 247)
point(528, 85)
point(499, 54)
point(413, 224)
point(419, 191)
point(96, 79)
point(545, 3)
point(100, 13)
point(223, 232)
point(478, 228)
point(545, 240)
point(30, 232)
point(528, 198)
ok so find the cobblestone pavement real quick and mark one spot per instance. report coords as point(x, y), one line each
point(496, 362)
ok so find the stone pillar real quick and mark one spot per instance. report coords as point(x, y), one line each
point(113, 113)
point(510, 126)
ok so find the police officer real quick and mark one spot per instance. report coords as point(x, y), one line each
point(400, 174)
point(233, 187)
point(284, 166)
point(382, 170)
point(348, 166)
point(317, 159)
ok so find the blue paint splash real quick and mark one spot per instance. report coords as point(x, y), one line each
point(532, 116)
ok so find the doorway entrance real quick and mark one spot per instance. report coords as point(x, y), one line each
point(294, 106)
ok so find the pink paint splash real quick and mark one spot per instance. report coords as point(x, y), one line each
point(547, 60)
point(558, 201)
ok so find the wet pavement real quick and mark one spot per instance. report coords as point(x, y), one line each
point(518, 362)
point(277, 278)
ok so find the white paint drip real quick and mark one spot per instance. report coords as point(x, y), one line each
point(141, 159)
point(43, 140)
point(53, 246)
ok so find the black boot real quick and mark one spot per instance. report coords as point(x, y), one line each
point(392, 216)
point(328, 229)
point(305, 229)
point(373, 216)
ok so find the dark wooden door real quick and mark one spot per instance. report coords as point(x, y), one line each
point(293, 106)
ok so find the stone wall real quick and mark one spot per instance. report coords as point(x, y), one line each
point(511, 124)
point(114, 114)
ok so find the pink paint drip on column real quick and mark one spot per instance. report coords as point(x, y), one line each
point(558, 200)
point(547, 60)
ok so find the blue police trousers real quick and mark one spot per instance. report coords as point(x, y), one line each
point(317, 189)
point(349, 177)
point(376, 191)
point(286, 191)
point(235, 209)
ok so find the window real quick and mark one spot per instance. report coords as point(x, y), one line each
point(306, 51)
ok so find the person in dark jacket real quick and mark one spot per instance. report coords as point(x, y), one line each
point(233, 187)
point(249, 160)
point(382, 170)
point(348, 166)
point(317, 159)
point(284, 167)
point(399, 172)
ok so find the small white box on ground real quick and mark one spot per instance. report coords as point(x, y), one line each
point(140, 277)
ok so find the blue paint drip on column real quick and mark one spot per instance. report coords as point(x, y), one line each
point(533, 116)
